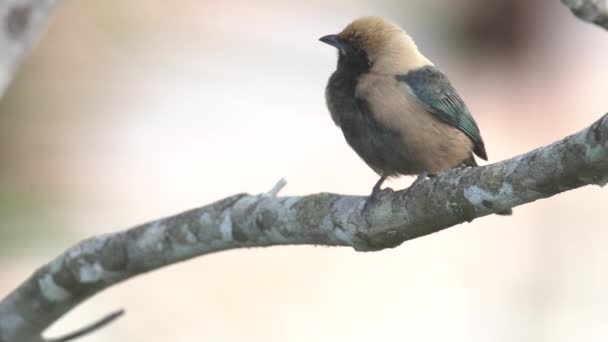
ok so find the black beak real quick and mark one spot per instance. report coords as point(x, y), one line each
point(333, 40)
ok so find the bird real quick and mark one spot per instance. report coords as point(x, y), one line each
point(396, 110)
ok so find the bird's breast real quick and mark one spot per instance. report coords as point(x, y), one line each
point(376, 144)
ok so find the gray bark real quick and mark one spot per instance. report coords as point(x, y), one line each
point(22, 24)
point(244, 220)
point(593, 11)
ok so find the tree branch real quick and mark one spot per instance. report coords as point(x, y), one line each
point(22, 22)
point(243, 220)
point(593, 11)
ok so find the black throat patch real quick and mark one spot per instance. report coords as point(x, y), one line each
point(352, 65)
point(373, 142)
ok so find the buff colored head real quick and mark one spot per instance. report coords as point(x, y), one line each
point(379, 43)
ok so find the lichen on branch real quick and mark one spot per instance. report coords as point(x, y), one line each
point(244, 220)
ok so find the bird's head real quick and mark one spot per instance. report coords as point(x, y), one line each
point(377, 44)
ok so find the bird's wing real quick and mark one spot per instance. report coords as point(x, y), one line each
point(434, 91)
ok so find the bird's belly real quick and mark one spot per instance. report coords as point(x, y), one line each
point(400, 138)
point(381, 148)
point(391, 152)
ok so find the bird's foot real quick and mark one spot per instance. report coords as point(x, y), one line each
point(421, 177)
point(374, 197)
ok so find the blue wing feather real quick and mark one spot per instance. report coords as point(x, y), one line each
point(436, 93)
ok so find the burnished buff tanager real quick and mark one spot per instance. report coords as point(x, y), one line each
point(396, 110)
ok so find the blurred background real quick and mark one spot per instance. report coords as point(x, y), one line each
point(128, 111)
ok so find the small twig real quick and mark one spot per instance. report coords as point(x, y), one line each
point(277, 188)
point(21, 25)
point(91, 328)
point(593, 11)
